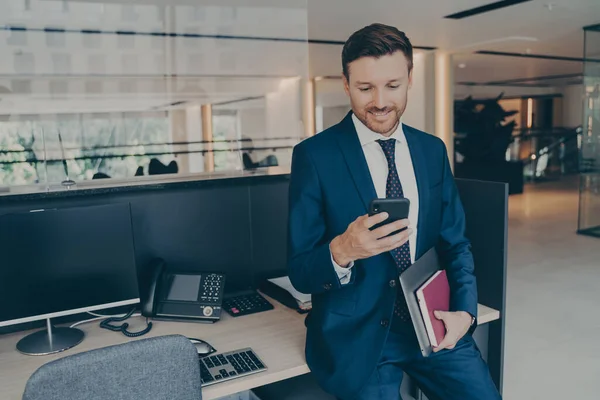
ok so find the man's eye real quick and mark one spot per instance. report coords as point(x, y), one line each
point(394, 87)
point(364, 89)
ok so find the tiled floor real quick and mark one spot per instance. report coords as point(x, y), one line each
point(553, 298)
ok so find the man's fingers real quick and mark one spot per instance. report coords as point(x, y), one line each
point(449, 340)
point(441, 315)
point(446, 343)
point(386, 229)
point(375, 219)
point(395, 241)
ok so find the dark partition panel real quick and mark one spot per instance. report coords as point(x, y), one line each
point(205, 227)
point(269, 213)
point(486, 212)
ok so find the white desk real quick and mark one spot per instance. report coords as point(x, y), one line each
point(277, 337)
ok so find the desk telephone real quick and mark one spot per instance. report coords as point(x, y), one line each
point(184, 296)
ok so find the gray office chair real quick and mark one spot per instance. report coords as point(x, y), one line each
point(161, 368)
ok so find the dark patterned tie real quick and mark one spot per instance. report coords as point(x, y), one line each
point(393, 189)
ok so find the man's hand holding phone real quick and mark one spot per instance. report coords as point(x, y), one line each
point(360, 242)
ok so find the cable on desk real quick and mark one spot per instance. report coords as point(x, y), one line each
point(106, 324)
point(85, 321)
point(107, 316)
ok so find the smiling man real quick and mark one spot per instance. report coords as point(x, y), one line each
point(360, 339)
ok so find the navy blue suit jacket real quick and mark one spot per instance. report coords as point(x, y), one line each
point(330, 187)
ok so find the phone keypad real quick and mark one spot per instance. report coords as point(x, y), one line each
point(211, 288)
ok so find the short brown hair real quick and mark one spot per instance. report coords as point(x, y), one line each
point(376, 40)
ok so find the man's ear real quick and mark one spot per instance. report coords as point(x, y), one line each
point(410, 75)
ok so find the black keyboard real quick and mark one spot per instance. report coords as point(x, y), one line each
point(226, 366)
point(246, 304)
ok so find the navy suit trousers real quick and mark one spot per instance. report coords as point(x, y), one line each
point(457, 374)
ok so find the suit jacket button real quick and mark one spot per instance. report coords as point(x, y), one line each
point(327, 286)
point(385, 322)
point(393, 283)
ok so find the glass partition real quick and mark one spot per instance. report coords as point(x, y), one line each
point(332, 103)
point(123, 91)
point(589, 191)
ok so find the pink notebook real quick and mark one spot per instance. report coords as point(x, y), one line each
point(434, 295)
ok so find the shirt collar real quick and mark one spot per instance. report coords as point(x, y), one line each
point(366, 136)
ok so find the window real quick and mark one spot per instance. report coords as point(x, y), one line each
point(21, 86)
point(158, 42)
point(96, 64)
point(228, 14)
point(159, 65)
point(127, 86)
point(55, 37)
point(59, 88)
point(126, 41)
point(128, 13)
point(92, 40)
point(94, 87)
point(111, 144)
point(198, 14)
point(160, 13)
point(24, 63)
point(190, 40)
point(18, 36)
point(62, 63)
point(195, 63)
point(129, 63)
point(226, 137)
point(227, 60)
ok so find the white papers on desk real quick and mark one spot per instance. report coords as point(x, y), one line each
point(284, 283)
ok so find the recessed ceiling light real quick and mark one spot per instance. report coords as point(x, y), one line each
point(462, 65)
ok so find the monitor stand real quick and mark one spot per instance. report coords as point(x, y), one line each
point(50, 340)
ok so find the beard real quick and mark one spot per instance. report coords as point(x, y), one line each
point(384, 127)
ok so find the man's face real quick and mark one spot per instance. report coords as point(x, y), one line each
point(378, 90)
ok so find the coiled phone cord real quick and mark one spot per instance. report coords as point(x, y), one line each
point(106, 324)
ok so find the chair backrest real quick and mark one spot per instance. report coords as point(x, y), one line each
point(161, 368)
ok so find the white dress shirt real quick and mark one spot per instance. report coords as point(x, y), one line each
point(378, 167)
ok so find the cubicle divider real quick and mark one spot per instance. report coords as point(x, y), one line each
point(235, 226)
point(486, 211)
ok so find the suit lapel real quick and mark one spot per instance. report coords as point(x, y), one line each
point(356, 161)
point(419, 161)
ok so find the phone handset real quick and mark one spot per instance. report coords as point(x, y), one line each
point(151, 286)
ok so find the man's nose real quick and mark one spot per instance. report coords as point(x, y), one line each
point(378, 99)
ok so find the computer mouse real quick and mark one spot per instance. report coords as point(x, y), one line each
point(202, 347)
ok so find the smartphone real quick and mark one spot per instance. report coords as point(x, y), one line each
point(397, 209)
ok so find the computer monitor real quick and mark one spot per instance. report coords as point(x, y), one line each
point(58, 262)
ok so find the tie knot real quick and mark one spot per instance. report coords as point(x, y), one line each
point(389, 148)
